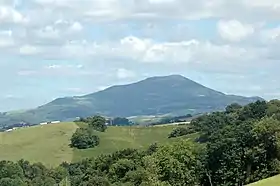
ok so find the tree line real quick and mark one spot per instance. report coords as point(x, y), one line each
point(23, 173)
point(235, 147)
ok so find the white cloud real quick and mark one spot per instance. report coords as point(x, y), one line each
point(6, 42)
point(96, 10)
point(76, 27)
point(234, 30)
point(123, 73)
point(271, 36)
point(10, 15)
point(57, 31)
point(74, 89)
point(196, 53)
point(6, 38)
point(28, 50)
point(26, 72)
point(49, 32)
point(59, 66)
point(53, 67)
point(274, 4)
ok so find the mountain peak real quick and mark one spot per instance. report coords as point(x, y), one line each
point(172, 94)
point(169, 77)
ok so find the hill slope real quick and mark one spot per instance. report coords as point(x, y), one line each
point(49, 144)
point(172, 94)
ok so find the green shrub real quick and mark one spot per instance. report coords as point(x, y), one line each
point(84, 138)
point(180, 131)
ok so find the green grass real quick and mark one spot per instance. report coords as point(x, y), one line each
point(273, 181)
point(47, 144)
point(117, 138)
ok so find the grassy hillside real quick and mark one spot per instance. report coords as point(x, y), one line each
point(273, 181)
point(49, 143)
point(117, 138)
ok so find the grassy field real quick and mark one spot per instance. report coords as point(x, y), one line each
point(49, 144)
point(117, 138)
point(273, 181)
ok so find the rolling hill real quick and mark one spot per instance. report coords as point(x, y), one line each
point(49, 144)
point(172, 94)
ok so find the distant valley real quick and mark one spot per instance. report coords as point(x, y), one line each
point(164, 95)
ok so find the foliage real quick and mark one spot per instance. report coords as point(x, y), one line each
point(180, 131)
point(175, 164)
point(242, 145)
point(97, 123)
point(121, 121)
point(22, 173)
point(84, 138)
point(233, 108)
point(178, 164)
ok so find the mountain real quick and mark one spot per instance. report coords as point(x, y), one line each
point(172, 94)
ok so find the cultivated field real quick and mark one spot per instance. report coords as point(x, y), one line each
point(49, 144)
point(273, 181)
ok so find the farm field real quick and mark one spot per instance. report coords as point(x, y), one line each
point(49, 144)
point(273, 181)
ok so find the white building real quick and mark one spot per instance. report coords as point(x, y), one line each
point(55, 122)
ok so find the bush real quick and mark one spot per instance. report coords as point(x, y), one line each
point(180, 131)
point(97, 123)
point(84, 138)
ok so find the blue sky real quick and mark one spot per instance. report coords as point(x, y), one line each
point(57, 48)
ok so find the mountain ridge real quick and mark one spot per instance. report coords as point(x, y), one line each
point(159, 95)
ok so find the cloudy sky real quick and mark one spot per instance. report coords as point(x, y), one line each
point(54, 48)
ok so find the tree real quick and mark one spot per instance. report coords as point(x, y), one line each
point(11, 170)
point(22, 173)
point(97, 123)
point(152, 149)
point(96, 181)
point(244, 153)
point(119, 169)
point(43, 181)
point(84, 138)
point(273, 109)
point(12, 182)
point(59, 173)
point(178, 163)
point(253, 111)
point(233, 108)
point(120, 121)
point(180, 131)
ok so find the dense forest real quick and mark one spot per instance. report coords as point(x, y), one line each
point(238, 146)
